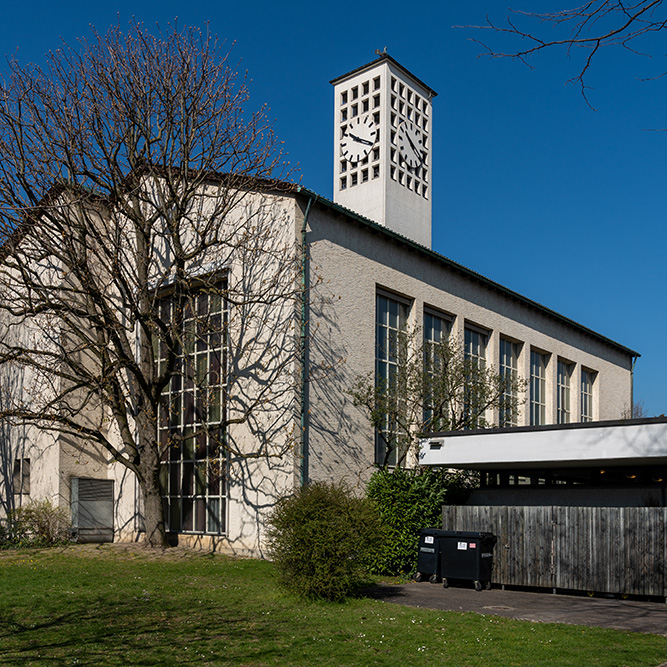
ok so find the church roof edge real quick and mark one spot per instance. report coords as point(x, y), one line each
point(464, 270)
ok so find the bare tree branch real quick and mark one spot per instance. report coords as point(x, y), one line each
point(135, 187)
point(595, 25)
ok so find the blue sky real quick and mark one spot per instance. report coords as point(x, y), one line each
point(531, 187)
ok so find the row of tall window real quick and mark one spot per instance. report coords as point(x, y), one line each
point(392, 316)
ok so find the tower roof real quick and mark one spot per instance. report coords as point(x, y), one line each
point(395, 63)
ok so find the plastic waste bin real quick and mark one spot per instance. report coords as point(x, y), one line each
point(428, 556)
point(467, 555)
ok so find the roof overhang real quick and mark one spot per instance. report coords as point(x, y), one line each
point(638, 442)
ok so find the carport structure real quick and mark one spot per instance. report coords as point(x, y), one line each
point(574, 506)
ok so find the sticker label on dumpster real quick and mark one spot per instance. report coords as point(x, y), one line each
point(463, 546)
point(428, 539)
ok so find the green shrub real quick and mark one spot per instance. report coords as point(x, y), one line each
point(320, 539)
point(409, 500)
point(40, 523)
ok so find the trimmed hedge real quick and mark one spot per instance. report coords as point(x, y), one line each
point(410, 499)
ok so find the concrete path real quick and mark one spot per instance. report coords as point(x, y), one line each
point(633, 615)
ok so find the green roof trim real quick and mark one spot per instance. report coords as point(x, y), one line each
point(427, 252)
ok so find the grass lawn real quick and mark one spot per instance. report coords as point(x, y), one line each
point(111, 605)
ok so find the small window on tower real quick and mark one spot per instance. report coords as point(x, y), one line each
point(343, 166)
point(376, 153)
point(376, 171)
point(353, 179)
point(355, 110)
point(364, 106)
point(343, 98)
point(376, 118)
point(365, 88)
point(343, 115)
point(364, 175)
point(393, 173)
point(393, 83)
point(401, 90)
point(376, 83)
point(376, 101)
point(355, 93)
point(343, 183)
point(409, 97)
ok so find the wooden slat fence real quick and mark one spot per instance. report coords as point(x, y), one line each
point(602, 549)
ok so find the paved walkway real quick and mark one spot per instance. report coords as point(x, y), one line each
point(633, 615)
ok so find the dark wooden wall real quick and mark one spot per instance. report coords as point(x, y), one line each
point(620, 550)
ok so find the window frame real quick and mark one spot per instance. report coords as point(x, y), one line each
point(194, 465)
point(564, 371)
point(512, 370)
point(587, 390)
point(431, 337)
point(387, 359)
point(538, 387)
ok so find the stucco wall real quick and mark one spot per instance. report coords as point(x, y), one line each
point(355, 262)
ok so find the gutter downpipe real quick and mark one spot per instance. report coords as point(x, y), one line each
point(304, 339)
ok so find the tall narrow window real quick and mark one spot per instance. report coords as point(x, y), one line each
point(391, 320)
point(475, 343)
point(193, 467)
point(475, 346)
point(436, 331)
point(509, 371)
point(564, 375)
point(538, 402)
point(21, 477)
point(587, 378)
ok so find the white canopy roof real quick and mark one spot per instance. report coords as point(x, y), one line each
point(628, 442)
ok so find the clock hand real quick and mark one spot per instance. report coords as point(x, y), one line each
point(359, 140)
point(414, 148)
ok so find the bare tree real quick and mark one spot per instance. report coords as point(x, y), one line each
point(149, 274)
point(436, 387)
point(636, 410)
point(586, 29)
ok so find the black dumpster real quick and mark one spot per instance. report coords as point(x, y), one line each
point(466, 556)
point(428, 556)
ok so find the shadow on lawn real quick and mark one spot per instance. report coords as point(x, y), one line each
point(141, 633)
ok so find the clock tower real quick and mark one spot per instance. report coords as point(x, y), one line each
point(382, 146)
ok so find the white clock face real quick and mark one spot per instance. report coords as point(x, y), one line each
point(358, 139)
point(410, 144)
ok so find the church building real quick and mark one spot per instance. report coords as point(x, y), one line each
point(367, 257)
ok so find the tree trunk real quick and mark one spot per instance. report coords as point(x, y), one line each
point(156, 537)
